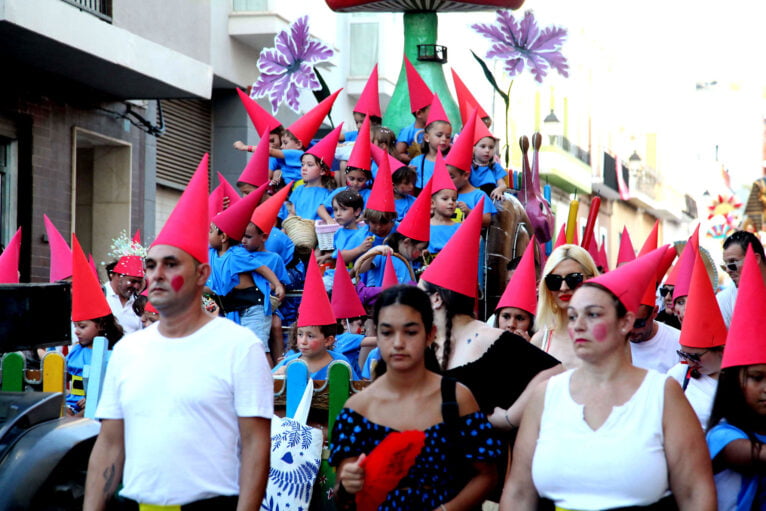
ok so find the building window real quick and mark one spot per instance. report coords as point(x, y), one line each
point(364, 48)
point(7, 191)
point(251, 5)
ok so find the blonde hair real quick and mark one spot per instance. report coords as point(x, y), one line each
point(548, 312)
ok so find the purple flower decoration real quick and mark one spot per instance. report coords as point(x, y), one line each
point(288, 67)
point(523, 45)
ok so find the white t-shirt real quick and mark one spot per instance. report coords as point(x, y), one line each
point(128, 319)
point(180, 399)
point(700, 392)
point(659, 352)
point(620, 464)
point(726, 299)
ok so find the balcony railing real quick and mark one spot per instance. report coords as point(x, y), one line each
point(99, 8)
point(576, 151)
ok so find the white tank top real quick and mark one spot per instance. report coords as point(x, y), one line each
point(620, 464)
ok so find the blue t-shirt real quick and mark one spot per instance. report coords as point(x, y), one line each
point(347, 239)
point(377, 240)
point(746, 490)
point(291, 164)
point(273, 163)
point(473, 197)
point(440, 235)
point(408, 134)
point(281, 244)
point(273, 262)
point(322, 373)
point(424, 169)
point(485, 175)
point(349, 345)
point(374, 276)
point(371, 357)
point(403, 205)
point(307, 200)
point(76, 360)
point(351, 136)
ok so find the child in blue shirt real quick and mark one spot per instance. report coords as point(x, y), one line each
point(356, 180)
point(486, 173)
point(404, 185)
point(468, 196)
point(408, 143)
point(317, 184)
point(288, 158)
point(312, 345)
point(436, 137)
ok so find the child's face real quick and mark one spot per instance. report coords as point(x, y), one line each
point(214, 239)
point(289, 142)
point(422, 114)
point(85, 332)
point(147, 318)
point(274, 140)
point(411, 250)
point(438, 137)
point(381, 229)
point(404, 188)
point(754, 387)
point(444, 202)
point(310, 169)
point(245, 188)
point(344, 215)
point(355, 326)
point(513, 319)
point(311, 342)
point(356, 180)
point(381, 143)
point(253, 238)
point(358, 120)
point(459, 177)
point(484, 150)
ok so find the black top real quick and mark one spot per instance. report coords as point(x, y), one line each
point(499, 376)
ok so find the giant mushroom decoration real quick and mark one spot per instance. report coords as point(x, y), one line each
point(420, 28)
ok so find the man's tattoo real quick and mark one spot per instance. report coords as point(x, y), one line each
point(109, 474)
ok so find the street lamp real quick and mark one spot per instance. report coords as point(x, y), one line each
point(634, 163)
point(552, 127)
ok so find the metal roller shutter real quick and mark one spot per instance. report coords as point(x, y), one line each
point(187, 137)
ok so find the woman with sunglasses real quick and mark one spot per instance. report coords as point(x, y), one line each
point(609, 435)
point(566, 268)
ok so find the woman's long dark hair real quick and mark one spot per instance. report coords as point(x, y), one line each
point(416, 298)
point(454, 304)
point(730, 405)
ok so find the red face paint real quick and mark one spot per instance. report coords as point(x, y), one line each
point(177, 282)
point(600, 332)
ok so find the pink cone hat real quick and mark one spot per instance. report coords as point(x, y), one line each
point(306, 127)
point(389, 274)
point(627, 253)
point(360, 154)
point(466, 101)
point(325, 148)
point(416, 224)
point(461, 153)
point(746, 341)
point(9, 260)
point(88, 300)
point(345, 301)
point(436, 113)
point(369, 100)
point(440, 179)
point(262, 120)
point(420, 94)
point(233, 221)
point(315, 308)
point(256, 172)
point(216, 199)
point(703, 325)
point(61, 254)
point(521, 291)
point(382, 194)
point(265, 215)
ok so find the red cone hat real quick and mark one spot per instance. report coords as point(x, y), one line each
point(673, 275)
point(9, 260)
point(256, 172)
point(382, 193)
point(456, 266)
point(216, 199)
point(481, 131)
point(593, 249)
point(416, 224)
point(703, 325)
point(315, 308)
point(686, 265)
point(561, 238)
point(378, 154)
point(88, 300)
point(325, 148)
point(629, 281)
point(420, 94)
point(92, 263)
point(345, 301)
point(262, 120)
point(132, 263)
point(61, 254)
point(369, 100)
point(651, 241)
point(440, 179)
point(360, 154)
point(650, 295)
point(466, 101)
point(627, 253)
point(306, 127)
point(521, 291)
point(265, 215)
point(746, 341)
point(188, 225)
point(461, 153)
point(436, 113)
point(389, 274)
point(233, 221)
point(603, 260)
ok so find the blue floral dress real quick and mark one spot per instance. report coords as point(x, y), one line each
point(435, 477)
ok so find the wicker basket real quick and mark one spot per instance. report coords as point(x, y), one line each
point(301, 231)
point(326, 234)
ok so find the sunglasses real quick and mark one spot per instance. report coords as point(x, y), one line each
point(665, 291)
point(733, 266)
point(573, 280)
point(691, 357)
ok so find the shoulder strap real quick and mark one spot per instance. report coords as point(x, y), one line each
point(450, 410)
point(687, 377)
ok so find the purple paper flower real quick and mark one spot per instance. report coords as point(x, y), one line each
point(288, 67)
point(523, 45)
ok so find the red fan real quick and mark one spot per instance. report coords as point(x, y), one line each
point(386, 465)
